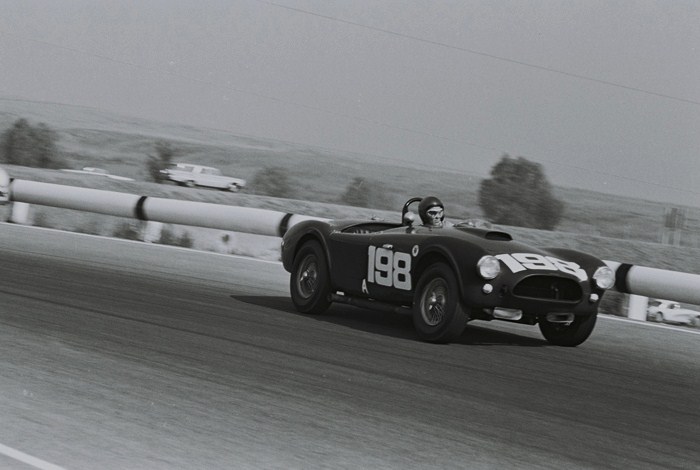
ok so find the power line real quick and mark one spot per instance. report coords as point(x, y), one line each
point(253, 93)
point(344, 115)
point(484, 54)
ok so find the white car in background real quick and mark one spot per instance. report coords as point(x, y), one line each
point(672, 312)
point(190, 175)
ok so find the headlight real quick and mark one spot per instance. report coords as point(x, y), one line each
point(489, 267)
point(604, 277)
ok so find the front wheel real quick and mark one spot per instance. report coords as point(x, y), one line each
point(568, 334)
point(309, 283)
point(437, 311)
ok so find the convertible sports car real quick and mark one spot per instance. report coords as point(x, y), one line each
point(444, 276)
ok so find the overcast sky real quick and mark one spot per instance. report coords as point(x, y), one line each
point(605, 94)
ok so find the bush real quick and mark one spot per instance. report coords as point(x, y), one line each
point(128, 231)
point(33, 146)
point(169, 237)
point(366, 193)
point(614, 303)
point(519, 194)
point(273, 181)
point(160, 161)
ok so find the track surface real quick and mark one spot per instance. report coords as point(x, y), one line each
point(117, 354)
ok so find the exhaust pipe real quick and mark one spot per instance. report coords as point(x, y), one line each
point(560, 317)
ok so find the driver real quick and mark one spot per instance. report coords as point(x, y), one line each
point(432, 212)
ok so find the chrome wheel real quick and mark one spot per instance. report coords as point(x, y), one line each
point(437, 311)
point(433, 301)
point(307, 280)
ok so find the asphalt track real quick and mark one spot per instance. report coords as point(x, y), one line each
point(124, 355)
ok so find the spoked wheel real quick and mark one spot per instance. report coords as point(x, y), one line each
point(437, 312)
point(309, 282)
point(568, 334)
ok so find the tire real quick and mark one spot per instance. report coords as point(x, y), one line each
point(309, 283)
point(573, 334)
point(234, 188)
point(695, 322)
point(438, 316)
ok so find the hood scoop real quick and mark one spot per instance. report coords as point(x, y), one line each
point(486, 233)
point(496, 235)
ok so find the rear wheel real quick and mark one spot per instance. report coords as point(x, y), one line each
point(437, 312)
point(568, 334)
point(309, 282)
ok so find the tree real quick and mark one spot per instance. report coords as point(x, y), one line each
point(160, 161)
point(273, 181)
point(518, 193)
point(27, 145)
point(366, 193)
point(356, 193)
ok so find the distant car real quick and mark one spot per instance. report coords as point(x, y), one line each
point(190, 175)
point(444, 277)
point(672, 312)
point(91, 170)
point(4, 187)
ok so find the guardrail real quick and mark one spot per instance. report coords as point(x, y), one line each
point(169, 211)
point(630, 279)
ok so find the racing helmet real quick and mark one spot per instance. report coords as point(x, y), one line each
point(431, 211)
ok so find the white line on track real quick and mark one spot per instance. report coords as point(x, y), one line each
point(28, 459)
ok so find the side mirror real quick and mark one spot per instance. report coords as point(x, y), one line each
point(409, 218)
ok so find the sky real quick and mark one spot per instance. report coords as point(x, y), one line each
point(604, 94)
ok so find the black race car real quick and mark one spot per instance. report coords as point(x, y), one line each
point(444, 276)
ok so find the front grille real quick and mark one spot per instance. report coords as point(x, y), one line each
point(549, 288)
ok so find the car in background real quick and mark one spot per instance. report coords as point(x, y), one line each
point(191, 175)
point(667, 311)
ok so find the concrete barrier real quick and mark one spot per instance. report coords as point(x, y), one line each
point(656, 283)
point(170, 211)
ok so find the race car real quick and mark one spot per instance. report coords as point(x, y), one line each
point(444, 276)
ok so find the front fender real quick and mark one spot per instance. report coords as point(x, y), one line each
point(299, 234)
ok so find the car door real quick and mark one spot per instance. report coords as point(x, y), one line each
point(348, 260)
point(209, 177)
